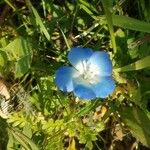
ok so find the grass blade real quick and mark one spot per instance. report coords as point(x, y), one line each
point(107, 6)
point(38, 19)
point(140, 64)
point(10, 4)
point(130, 23)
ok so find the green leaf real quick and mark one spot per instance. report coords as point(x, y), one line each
point(22, 66)
point(4, 135)
point(18, 48)
point(108, 4)
point(130, 23)
point(140, 64)
point(11, 141)
point(3, 58)
point(3, 41)
point(24, 140)
point(88, 11)
point(87, 136)
point(27, 130)
point(138, 122)
point(21, 141)
point(107, 7)
point(88, 6)
point(145, 5)
point(19, 52)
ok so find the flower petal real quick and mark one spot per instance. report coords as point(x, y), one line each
point(64, 78)
point(103, 63)
point(83, 89)
point(77, 55)
point(104, 87)
point(84, 92)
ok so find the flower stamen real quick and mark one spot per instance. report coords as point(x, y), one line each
point(89, 72)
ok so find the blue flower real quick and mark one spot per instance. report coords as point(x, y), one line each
point(90, 76)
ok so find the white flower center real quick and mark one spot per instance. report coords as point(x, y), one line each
point(88, 71)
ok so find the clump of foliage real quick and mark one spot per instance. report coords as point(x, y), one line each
point(35, 38)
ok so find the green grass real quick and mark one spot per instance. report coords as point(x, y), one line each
point(35, 38)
